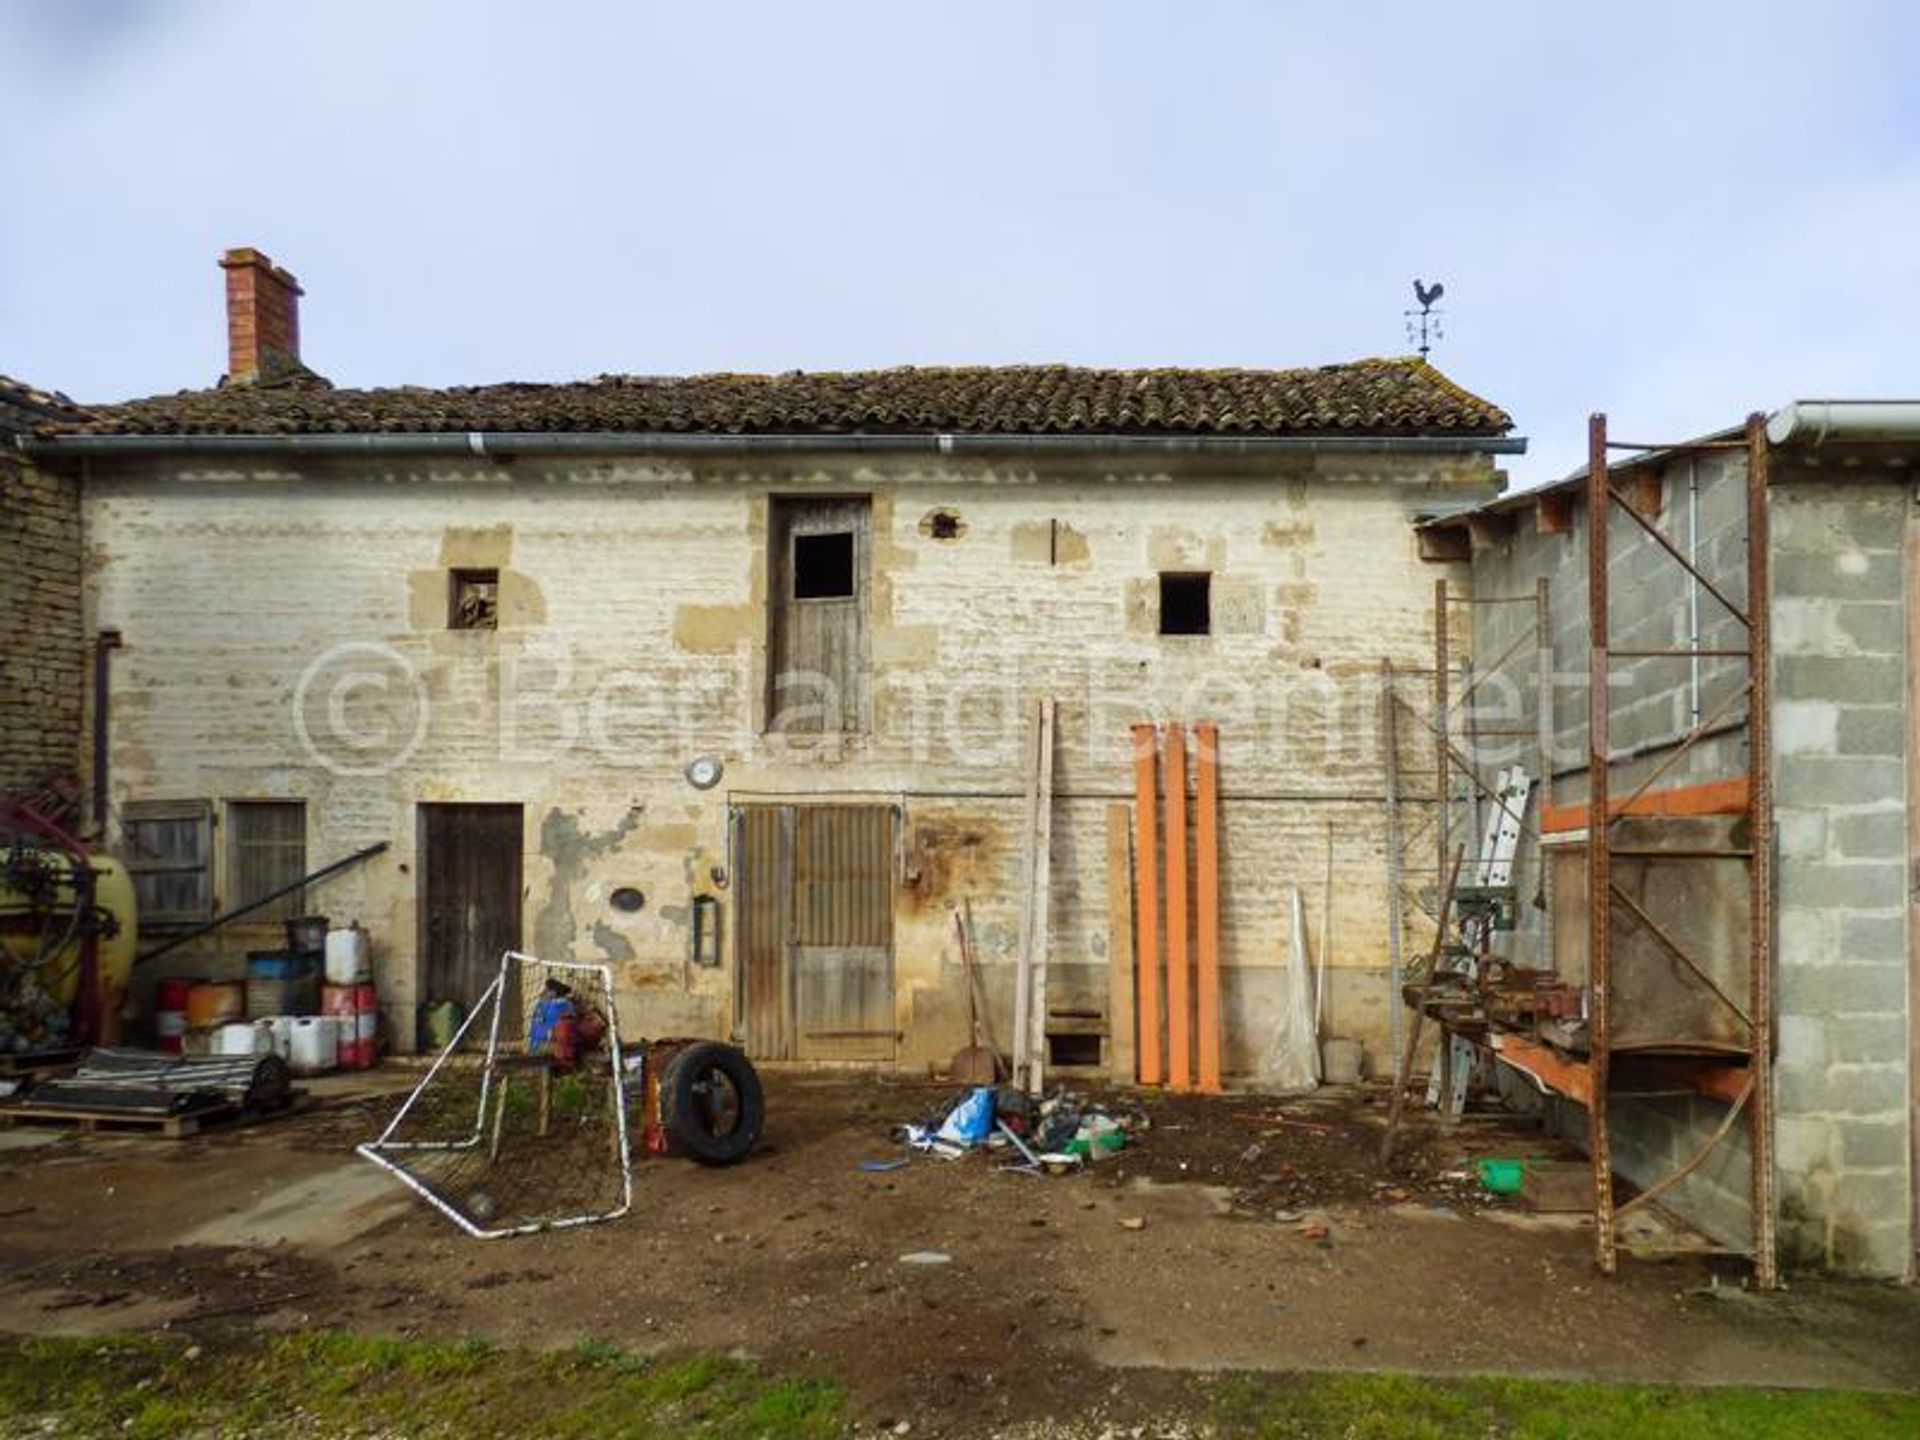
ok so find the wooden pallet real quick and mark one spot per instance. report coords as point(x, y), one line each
point(108, 1121)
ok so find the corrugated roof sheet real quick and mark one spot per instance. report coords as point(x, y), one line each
point(1365, 397)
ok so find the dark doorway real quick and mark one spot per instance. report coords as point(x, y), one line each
point(470, 879)
point(816, 931)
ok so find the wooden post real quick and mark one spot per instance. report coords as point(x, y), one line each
point(1179, 981)
point(1120, 1020)
point(1405, 1067)
point(1146, 930)
point(1207, 904)
point(1030, 995)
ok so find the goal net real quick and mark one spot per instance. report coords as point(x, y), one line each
point(520, 1124)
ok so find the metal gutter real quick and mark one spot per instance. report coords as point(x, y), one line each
point(1815, 422)
point(509, 443)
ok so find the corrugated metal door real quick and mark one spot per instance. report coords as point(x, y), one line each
point(817, 931)
point(765, 885)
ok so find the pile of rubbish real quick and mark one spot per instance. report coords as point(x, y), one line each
point(1054, 1136)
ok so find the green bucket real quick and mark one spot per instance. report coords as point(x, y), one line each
point(1502, 1177)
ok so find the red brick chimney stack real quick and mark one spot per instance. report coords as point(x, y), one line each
point(263, 319)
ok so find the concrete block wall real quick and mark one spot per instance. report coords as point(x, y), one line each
point(1655, 700)
point(633, 637)
point(1840, 689)
point(1839, 596)
point(43, 656)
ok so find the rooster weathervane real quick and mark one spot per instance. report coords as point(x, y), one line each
point(1423, 325)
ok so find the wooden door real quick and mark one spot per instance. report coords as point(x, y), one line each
point(817, 931)
point(821, 560)
point(470, 879)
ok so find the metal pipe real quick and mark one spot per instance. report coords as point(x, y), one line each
point(1760, 874)
point(1693, 592)
point(305, 880)
point(1599, 876)
point(104, 644)
point(1815, 422)
point(472, 443)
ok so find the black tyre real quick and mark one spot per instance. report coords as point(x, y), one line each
point(711, 1103)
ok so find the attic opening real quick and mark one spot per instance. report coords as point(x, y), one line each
point(823, 566)
point(1186, 603)
point(944, 525)
point(818, 589)
point(473, 600)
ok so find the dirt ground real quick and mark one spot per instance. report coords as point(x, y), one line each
point(1269, 1241)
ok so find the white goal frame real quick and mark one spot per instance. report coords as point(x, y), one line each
point(380, 1149)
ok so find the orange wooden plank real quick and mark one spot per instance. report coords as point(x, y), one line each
point(1570, 1078)
point(1121, 1056)
point(1179, 981)
point(1711, 797)
point(1573, 1078)
point(1206, 864)
point(1146, 894)
point(1722, 1082)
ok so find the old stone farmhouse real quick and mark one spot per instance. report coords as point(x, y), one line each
point(495, 627)
point(729, 681)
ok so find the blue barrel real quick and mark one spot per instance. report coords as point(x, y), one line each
point(281, 982)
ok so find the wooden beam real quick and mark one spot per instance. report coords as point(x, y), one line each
point(1555, 512)
point(1179, 980)
point(1207, 905)
point(1711, 797)
point(1146, 893)
point(1030, 992)
point(1120, 1022)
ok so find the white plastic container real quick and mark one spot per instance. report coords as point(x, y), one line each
point(349, 961)
point(241, 1038)
point(313, 1046)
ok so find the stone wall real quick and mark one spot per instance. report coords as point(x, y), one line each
point(43, 656)
point(633, 638)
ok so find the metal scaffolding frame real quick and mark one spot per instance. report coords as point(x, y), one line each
point(1446, 719)
point(1754, 1101)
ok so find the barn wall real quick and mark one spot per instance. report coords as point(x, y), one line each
point(286, 636)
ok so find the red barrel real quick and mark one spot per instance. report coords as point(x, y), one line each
point(170, 1012)
point(358, 1010)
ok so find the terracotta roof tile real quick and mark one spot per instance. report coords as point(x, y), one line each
point(22, 407)
point(1384, 397)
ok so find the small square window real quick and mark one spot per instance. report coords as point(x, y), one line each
point(823, 566)
point(473, 600)
point(1186, 604)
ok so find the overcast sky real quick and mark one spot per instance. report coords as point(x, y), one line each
point(1676, 212)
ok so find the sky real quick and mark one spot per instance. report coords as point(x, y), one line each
point(1675, 212)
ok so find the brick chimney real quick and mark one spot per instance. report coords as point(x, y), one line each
point(263, 319)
